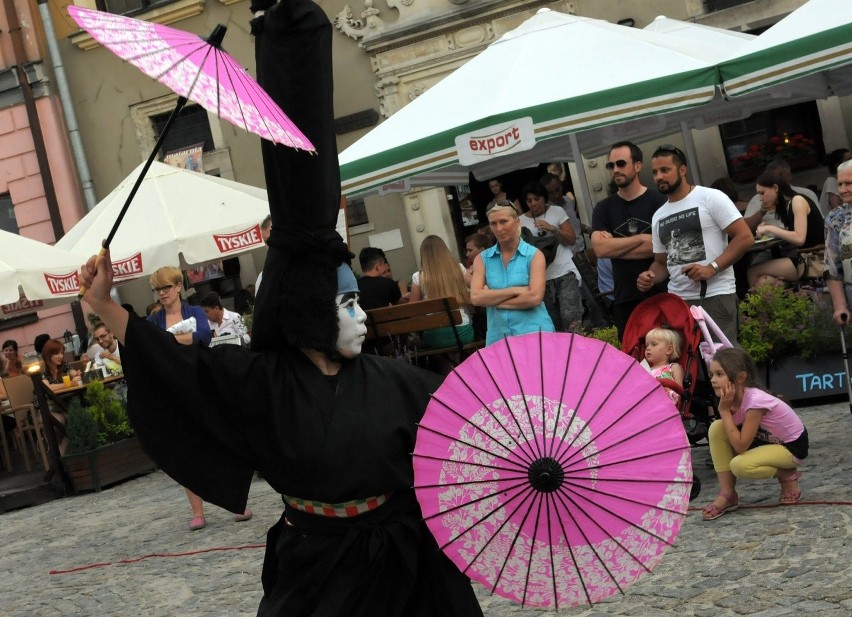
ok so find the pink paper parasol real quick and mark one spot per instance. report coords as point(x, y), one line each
point(197, 69)
point(553, 469)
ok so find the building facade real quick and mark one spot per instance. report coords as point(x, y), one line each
point(386, 53)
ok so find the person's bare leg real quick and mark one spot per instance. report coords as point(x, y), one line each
point(774, 269)
point(197, 505)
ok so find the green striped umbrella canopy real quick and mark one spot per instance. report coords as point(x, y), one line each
point(807, 52)
point(554, 75)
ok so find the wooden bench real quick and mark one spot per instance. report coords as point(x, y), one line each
point(397, 322)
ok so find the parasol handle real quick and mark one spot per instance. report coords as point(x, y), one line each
point(181, 102)
point(101, 253)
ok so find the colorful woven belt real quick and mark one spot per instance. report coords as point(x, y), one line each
point(346, 509)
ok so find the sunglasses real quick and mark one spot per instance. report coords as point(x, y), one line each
point(670, 149)
point(501, 203)
point(620, 163)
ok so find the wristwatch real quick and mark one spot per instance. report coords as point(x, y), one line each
point(715, 266)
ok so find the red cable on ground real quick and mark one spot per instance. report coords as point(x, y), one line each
point(152, 555)
point(253, 546)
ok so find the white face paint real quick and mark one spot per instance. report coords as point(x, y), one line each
point(350, 324)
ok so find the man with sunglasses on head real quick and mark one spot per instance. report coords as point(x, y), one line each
point(697, 236)
point(621, 225)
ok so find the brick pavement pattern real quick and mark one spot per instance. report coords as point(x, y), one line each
point(759, 562)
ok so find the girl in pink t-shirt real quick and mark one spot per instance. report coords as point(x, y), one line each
point(758, 436)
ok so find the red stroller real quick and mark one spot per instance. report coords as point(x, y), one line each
point(669, 311)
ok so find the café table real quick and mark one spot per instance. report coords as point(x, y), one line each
point(76, 389)
point(763, 244)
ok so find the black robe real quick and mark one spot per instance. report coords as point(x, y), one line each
point(209, 417)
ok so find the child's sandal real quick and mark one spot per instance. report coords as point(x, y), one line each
point(790, 496)
point(711, 511)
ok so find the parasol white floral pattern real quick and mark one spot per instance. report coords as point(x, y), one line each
point(612, 496)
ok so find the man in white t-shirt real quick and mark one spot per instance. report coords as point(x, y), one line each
point(562, 296)
point(110, 354)
point(221, 320)
point(697, 236)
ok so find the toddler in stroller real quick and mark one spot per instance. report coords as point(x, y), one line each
point(662, 349)
point(669, 312)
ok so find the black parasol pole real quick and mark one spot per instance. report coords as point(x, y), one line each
point(181, 102)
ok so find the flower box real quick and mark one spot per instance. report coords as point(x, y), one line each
point(95, 469)
point(799, 378)
point(797, 150)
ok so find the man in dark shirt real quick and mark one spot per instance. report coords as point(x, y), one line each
point(621, 226)
point(375, 289)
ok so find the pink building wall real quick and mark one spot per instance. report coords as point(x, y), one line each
point(21, 178)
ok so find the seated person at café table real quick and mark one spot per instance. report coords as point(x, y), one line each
point(57, 375)
point(222, 321)
point(109, 355)
point(802, 228)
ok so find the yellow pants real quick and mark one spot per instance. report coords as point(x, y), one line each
point(758, 463)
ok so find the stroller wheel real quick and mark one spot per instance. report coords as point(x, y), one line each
point(695, 430)
point(696, 487)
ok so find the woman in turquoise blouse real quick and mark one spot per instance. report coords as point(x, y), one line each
point(508, 279)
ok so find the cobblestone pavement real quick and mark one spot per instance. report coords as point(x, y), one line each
point(763, 561)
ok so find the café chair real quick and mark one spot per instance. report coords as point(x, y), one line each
point(19, 391)
point(4, 445)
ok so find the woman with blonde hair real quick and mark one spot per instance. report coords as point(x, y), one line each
point(442, 276)
point(508, 279)
point(174, 316)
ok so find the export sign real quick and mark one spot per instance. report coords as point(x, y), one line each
point(496, 140)
point(239, 241)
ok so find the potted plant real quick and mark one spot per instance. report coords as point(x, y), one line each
point(102, 448)
point(608, 334)
point(790, 335)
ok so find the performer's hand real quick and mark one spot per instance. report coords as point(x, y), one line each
point(96, 276)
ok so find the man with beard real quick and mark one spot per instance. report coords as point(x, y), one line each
point(691, 241)
point(622, 229)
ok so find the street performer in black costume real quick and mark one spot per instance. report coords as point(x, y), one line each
point(330, 429)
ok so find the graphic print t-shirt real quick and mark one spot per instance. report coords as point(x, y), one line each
point(692, 231)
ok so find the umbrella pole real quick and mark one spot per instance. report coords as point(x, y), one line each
point(181, 102)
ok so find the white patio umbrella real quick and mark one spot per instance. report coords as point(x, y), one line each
point(35, 275)
point(808, 53)
point(181, 218)
point(504, 108)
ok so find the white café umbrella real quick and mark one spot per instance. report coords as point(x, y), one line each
point(182, 218)
point(504, 108)
point(808, 53)
point(35, 275)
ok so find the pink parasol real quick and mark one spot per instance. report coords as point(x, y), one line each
point(197, 69)
point(553, 469)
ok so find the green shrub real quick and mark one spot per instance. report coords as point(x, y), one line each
point(777, 322)
point(102, 421)
point(607, 335)
point(81, 428)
